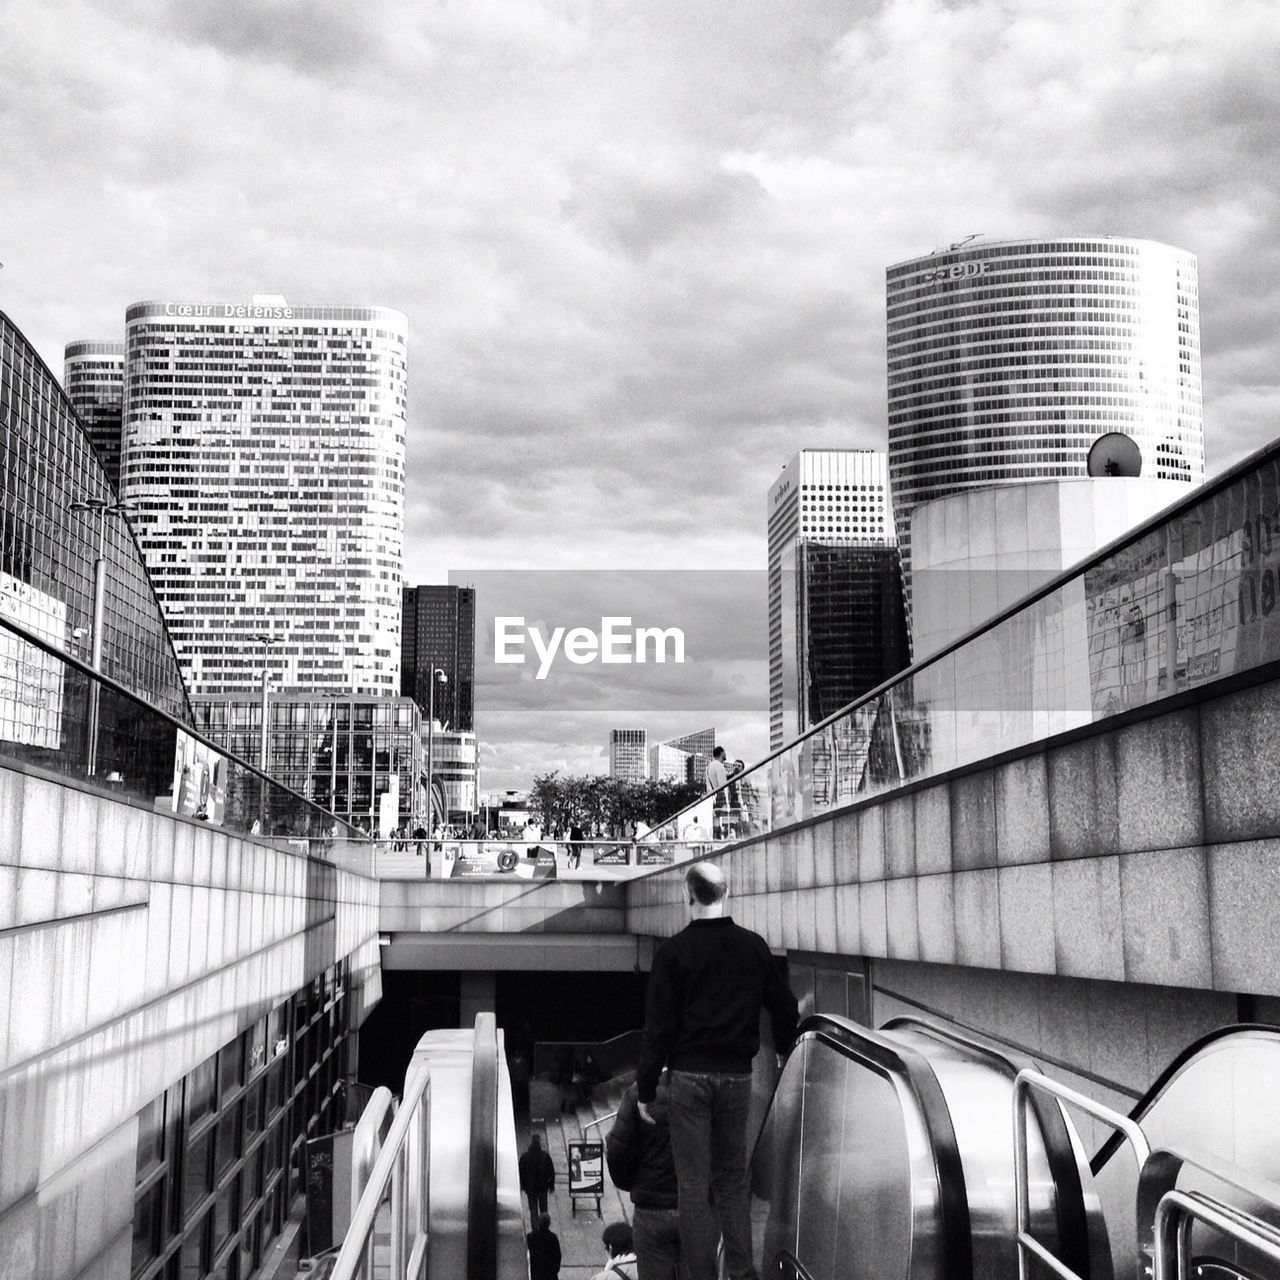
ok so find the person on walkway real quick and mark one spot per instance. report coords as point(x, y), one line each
point(544, 1250)
point(639, 1160)
point(537, 1177)
point(622, 1254)
point(702, 1020)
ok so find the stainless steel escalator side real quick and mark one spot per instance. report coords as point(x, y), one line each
point(976, 1075)
point(1217, 1103)
point(856, 1173)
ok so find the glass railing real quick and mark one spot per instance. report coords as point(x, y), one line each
point(504, 858)
point(1185, 600)
point(59, 716)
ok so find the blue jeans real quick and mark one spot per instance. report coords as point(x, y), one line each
point(709, 1146)
point(657, 1237)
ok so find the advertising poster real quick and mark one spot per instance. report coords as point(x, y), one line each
point(586, 1169)
point(31, 680)
point(199, 781)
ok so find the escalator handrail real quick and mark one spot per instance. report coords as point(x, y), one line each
point(388, 1165)
point(910, 1067)
point(482, 1188)
point(1245, 1030)
point(1171, 1263)
point(1160, 1170)
point(1069, 1201)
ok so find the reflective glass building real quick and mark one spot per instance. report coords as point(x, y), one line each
point(831, 555)
point(438, 632)
point(47, 554)
point(1008, 359)
point(345, 754)
point(93, 377)
point(264, 448)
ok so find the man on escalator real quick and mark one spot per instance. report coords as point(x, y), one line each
point(707, 988)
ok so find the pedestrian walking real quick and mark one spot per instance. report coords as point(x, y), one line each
point(544, 1250)
point(537, 1177)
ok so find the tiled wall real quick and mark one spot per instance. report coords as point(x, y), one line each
point(133, 946)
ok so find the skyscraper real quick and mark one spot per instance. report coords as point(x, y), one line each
point(93, 378)
point(264, 449)
point(1008, 359)
point(628, 754)
point(836, 625)
point(438, 631)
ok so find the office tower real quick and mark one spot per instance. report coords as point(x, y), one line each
point(1008, 359)
point(93, 378)
point(47, 559)
point(438, 633)
point(669, 764)
point(836, 627)
point(264, 448)
point(628, 754)
point(697, 749)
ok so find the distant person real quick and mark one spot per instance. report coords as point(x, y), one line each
point(544, 1250)
point(576, 839)
point(518, 1069)
point(717, 782)
point(707, 988)
point(537, 1177)
point(621, 1253)
point(639, 1160)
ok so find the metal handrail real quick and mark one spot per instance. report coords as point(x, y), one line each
point(1024, 1082)
point(482, 1195)
point(405, 1171)
point(1179, 1210)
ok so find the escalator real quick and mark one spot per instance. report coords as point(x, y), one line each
point(891, 1153)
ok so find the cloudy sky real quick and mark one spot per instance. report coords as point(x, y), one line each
point(641, 244)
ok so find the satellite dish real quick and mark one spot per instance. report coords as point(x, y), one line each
point(1114, 454)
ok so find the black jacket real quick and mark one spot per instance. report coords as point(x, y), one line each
point(537, 1173)
point(702, 1012)
point(639, 1154)
point(544, 1254)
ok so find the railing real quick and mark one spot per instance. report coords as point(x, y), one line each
point(1024, 1082)
point(1179, 1210)
point(1184, 600)
point(451, 859)
point(60, 716)
point(403, 1167)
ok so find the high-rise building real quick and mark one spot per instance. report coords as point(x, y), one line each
point(695, 752)
point(628, 754)
point(93, 378)
point(438, 632)
point(836, 625)
point(1008, 359)
point(264, 450)
point(48, 548)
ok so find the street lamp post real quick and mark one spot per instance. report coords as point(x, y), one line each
point(436, 674)
point(266, 640)
point(102, 508)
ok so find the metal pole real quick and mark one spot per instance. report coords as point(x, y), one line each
point(431, 742)
point(95, 689)
point(262, 749)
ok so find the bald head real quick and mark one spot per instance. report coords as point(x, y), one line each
point(706, 884)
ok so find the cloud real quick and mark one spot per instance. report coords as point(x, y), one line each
point(641, 244)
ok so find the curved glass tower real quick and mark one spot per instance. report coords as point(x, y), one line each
point(1008, 359)
point(264, 449)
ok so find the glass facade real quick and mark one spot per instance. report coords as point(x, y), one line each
point(343, 754)
point(220, 1153)
point(1187, 599)
point(264, 448)
point(438, 632)
point(1007, 360)
point(830, 498)
point(93, 377)
point(47, 555)
point(629, 754)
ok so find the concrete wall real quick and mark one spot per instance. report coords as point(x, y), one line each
point(133, 945)
point(1062, 899)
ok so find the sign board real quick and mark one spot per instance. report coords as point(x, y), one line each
point(199, 781)
point(586, 1170)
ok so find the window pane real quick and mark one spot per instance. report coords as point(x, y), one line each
point(148, 1220)
point(150, 1137)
